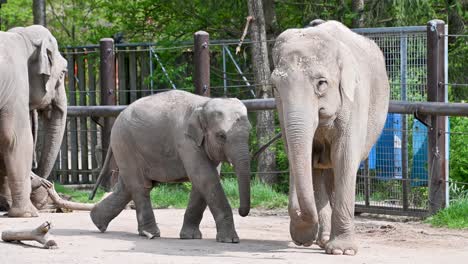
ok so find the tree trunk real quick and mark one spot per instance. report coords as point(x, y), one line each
point(265, 119)
point(358, 9)
point(39, 12)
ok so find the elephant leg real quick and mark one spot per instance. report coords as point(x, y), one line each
point(302, 233)
point(323, 180)
point(16, 147)
point(140, 193)
point(109, 208)
point(193, 216)
point(342, 230)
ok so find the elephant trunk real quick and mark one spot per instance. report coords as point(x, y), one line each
point(240, 158)
point(299, 133)
point(54, 126)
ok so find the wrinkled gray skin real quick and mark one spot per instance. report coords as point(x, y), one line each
point(332, 95)
point(174, 137)
point(31, 77)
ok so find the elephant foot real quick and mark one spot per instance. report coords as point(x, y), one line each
point(303, 233)
point(226, 232)
point(26, 211)
point(190, 232)
point(227, 237)
point(342, 245)
point(150, 233)
point(322, 240)
point(99, 220)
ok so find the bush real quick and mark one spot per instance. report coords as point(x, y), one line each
point(455, 216)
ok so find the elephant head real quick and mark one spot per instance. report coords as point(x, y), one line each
point(222, 128)
point(314, 83)
point(46, 72)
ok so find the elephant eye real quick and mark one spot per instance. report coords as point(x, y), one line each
point(221, 136)
point(322, 85)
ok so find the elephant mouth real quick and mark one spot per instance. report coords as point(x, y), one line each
point(326, 121)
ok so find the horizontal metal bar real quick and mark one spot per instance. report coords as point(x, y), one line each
point(373, 209)
point(95, 110)
point(400, 107)
point(429, 108)
point(390, 30)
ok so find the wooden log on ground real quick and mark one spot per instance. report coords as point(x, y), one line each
point(39, 234)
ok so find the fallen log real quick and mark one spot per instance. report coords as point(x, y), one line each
point(39, 234)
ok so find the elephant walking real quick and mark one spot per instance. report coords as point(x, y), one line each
point(177, 136)
point(32, 73)
point(332, 95)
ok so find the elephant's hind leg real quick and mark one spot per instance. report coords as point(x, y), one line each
point(193, 216)
point(107, 209)
point(140, 188)
point(16, 148)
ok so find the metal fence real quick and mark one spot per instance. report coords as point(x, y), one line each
point(394, 179)
point(395, 176)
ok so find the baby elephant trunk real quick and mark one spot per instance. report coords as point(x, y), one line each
point(240, 157)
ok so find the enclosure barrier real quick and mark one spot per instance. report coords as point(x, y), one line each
point(398, 107)
point(416, 65)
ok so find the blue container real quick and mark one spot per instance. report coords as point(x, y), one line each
point(419, 166)
point(388, 149)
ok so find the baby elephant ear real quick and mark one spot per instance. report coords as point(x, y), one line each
point(349, 77)
point(44, 57)
point(196, 126)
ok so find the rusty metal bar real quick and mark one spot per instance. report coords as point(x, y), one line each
point(201, 53)
point(436, 137)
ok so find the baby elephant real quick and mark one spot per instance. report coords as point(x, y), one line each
point(177, 136)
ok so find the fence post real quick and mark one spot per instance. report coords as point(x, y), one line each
point(201, 52)
point(436, 131)
point(107, 70)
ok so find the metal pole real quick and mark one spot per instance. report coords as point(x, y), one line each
point(151, 69)
point(436, 131)
point(399, 107)
point(107, 69)
point(366, 183)
point(201, 54)
point(224, 71)
point(404, 119)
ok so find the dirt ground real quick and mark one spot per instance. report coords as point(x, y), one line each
point(264, 239)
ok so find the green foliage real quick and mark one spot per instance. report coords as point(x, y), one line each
point(15, 13)
point(458, 149)
point(78, 195)
point(177, 195)
point(455, 216)
point(262, 196)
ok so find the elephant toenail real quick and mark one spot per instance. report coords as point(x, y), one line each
point(337, 252)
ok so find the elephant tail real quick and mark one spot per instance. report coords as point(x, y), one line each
point(104, 174)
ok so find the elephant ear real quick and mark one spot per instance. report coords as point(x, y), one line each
point(196, 126)
point(349, 76)
point(44, 57)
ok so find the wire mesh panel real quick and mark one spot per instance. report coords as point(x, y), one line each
point(394, 179)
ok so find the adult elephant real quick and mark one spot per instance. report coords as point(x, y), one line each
point(32, 75)
point(332, 95)
point(177, 136)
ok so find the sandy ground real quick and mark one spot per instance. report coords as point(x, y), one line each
point(264, 239)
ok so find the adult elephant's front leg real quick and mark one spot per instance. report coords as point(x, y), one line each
point(193, 216)
point(16, 145)
point(342, 231)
